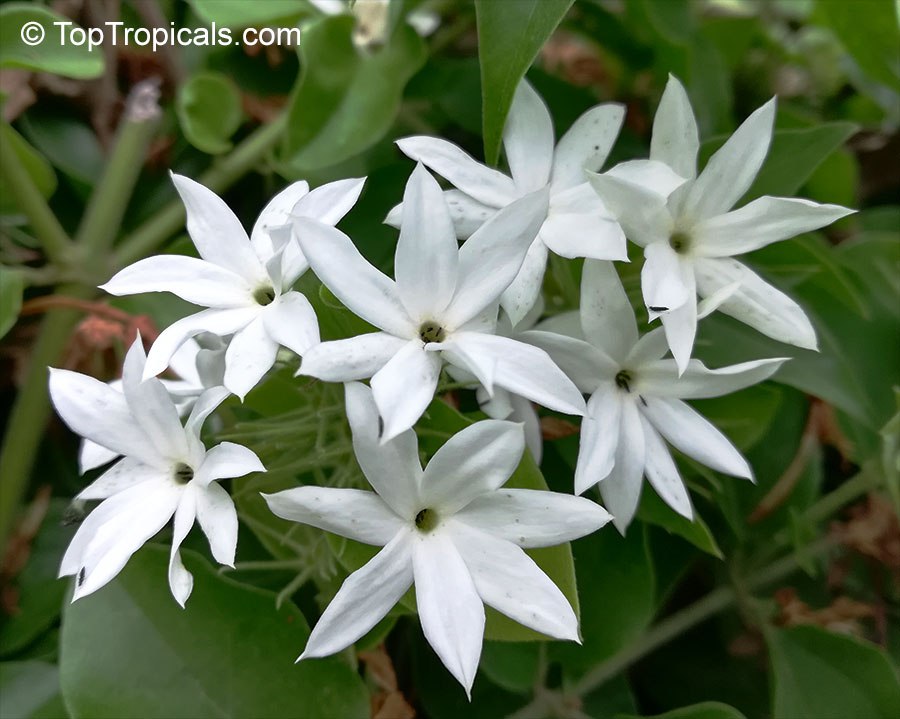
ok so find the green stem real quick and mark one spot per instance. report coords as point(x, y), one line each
point(166, 223)
point(56, 243)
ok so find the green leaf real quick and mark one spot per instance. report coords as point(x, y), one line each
point(69, 144)
point(346, 99)
point(30, 690)
point(819, 674)
point(209, 110)
point(510, 35)
point(55, 53)
point(37, 167)
point(11, 286)
point(653, 510)
point(704, 710)
point(130, 650)
point(743, 416)
point(672, 20)
point(245, 14)
point(511, 665)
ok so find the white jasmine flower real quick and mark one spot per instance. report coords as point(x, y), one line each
point(165, 470)
point(373, 19)
point(244, 282)
point(689, 233)
point(442, 308)
point(636, 400)
point(576, 223)
point(450, 530)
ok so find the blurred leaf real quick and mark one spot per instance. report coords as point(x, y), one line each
point(209, 110)
point(49, 54)
point(256, 13)
point(743, 416)
point(346, 99)
point(130, 650)
point(30, 690)
point(510, 35)
point(653, 510)
point(705, 710)
point(671, 20)
point(870, 33)
point(37, 167)
point(819, 674)
point(69, 144)
point(511, 665)
point(11, 286)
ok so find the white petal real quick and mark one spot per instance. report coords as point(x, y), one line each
point(524, 370)
point(730, 171)
point(649, 348)
point(675, 139)
point(181, 582)
point(404, 387)
point(216, 231)
point(91, 455)
point(621, 490)
point(651, 175)
point(680, 324)
point(599, 437)
point(330, 202)
point(641, 212)
point(525, 289)
point(426, 258)
point(197, 281)
point(275, 214)
point(760, 223)
point(353, 513)
point(661, 379)
point(227, 460)
point(583, 363)
point(663, 474)
point(205, 405)
point(467, 213)
point(607, 317)
point(491, 258)
point(250, 354)
point(508, 580)
point(124, 474)
point(460, 169)
point(293, 264)
point(528, 139)
point(217, 517)
point(365, 290)
point(524, 412)
point(685, 429)
point(449, 607)
point(586, 144)
point(534, 518)
point(474, 461)
point(584, 235)
point(664, 278)
point(364, 598)
point(756, 302)
point(351, 359)
point(392, 468)
point(291, 321)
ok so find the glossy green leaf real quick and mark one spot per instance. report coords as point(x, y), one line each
point(511, 665)
point(11, 286)
point(245, 14)
point(347, 98)
point(30, 690)
point(704, 710)
point(653, 510)
point(130, 650)
point(821, 674)
point(510, 35)
point(209, 110)
point(53, 49)
point(743, 416)
point(68, 143)
point(37, 167)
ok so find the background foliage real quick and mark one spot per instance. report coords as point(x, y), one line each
point(782, 600)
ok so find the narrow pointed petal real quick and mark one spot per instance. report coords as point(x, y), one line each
point(217, 518)
point(508, 580)
point(663, 474)
point(528, 139)
point(760, 223)
point(91, 455)
point(449, 607)
point(686, 430)
point(641, 212)
point(363, 600)
point(460, 170)
point(599, 437)
point(460, 359)
point(586, 144)
point(525, 289)
point(181, 582)
point(675, 139)
point(665, 278)
point(467, 213)
point(276, 213)
point(124, 474)
point(426, 258)
point(583, 234)
point(621, 490)
point(474, 461)
point(756, 302)
point(351, 359)
point(293, 264)
point(393, 468)
point(657, 177)
point(404, 387)
point(291, 322)
point(731, 170)
point(250, 354)
point(607, 317)
point(365, 290)
point(649, 348)
point(524, 412)
point(353, 513)
point(581, 362)
point(205, 405)
point(197, 281)
point(491, 258)
point(680, 324)
point(216, 231)
point(227, 460)
point(331, 201)
point(661, 379)
point(525, 370)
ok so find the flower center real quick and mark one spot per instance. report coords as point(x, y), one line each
point(431, 331)
point(623, 380)
point(264, 295)
point(680, 241)
point(183, 473)
point(426, 520)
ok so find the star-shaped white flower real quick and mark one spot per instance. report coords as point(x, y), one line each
point(450, 529)
point(165, 470)
point(244, 282)
point(442, 308)
point(689, 233)
point(576, 223)
point(636, 400)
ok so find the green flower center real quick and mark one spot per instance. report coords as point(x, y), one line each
point(183, 473)
point(623, 380)
point(426, 520)
point(264, 295)
point(431, 332)
point(680, 241)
